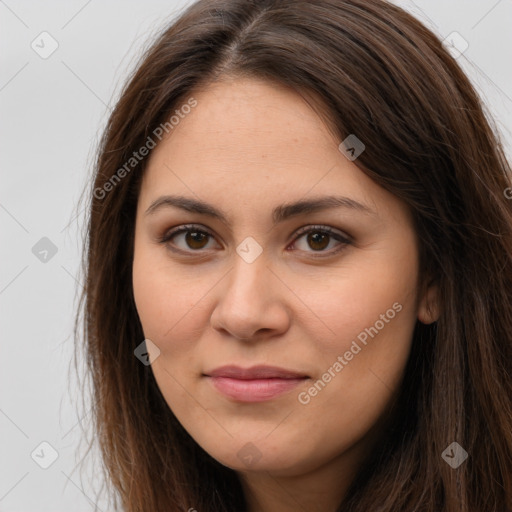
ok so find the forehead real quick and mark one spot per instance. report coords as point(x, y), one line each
point(256, 144)
point(250, 117)
point(250, 127)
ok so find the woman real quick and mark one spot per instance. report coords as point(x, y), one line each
point(298, 273)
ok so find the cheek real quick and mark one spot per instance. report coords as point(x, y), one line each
point(368, 317)
point(360, 367)
point(171, 313)
point(168, 301)
point(360, 296)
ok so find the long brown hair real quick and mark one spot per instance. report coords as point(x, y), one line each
point(385, 77)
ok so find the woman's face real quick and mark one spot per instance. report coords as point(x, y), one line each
point(261, 282)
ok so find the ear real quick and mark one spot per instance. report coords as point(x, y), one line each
point(429, 307)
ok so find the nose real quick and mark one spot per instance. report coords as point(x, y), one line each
point(252, 302)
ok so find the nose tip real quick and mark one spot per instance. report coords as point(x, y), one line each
point(248, 307)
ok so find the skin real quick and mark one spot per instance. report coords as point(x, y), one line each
point(247, 147)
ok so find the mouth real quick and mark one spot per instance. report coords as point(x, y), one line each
point(256, 384)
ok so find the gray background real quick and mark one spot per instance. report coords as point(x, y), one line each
point(52, 112)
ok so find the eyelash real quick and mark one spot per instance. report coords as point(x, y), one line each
point(165, 239)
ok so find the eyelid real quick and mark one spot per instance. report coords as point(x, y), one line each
point(183, 228)
point(343, 239)
point(339, 235)
point(321, 227)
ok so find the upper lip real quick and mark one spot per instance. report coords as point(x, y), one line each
point(255, 372)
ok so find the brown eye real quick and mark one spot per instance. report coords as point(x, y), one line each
point(196, 239)
point(318, 239)
point(187, 238)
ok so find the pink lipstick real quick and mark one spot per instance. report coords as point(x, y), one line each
point(256, 384)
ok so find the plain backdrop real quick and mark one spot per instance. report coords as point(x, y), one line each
point(52, 112)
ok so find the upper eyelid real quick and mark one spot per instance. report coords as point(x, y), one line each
point(183, 228)
point(322, 227)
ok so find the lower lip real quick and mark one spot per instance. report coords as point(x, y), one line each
point(256, 390)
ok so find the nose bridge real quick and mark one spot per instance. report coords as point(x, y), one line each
point(249, 300)
point(249, 271)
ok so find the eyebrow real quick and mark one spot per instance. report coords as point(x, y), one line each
point(279, 213)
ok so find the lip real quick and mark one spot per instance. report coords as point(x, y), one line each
point(255, 384)
point(255, 372)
